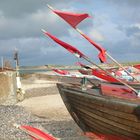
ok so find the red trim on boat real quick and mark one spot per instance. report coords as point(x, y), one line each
point(117, 91)
point(137, 66)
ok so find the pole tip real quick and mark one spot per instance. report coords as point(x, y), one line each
point(43, 30)
point(50, 7)
point(16, 125)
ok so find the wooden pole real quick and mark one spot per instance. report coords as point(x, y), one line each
point(121, 67)
point(50, 7)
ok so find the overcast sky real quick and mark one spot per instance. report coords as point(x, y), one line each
point(115, 24)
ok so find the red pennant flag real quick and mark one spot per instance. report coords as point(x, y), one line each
point(72, 18)
point(101, 74)
point(70, 48)
point(35, 133)
point(61, 72)
point(102, 55)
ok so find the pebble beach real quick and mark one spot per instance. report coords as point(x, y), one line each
point(42, 108)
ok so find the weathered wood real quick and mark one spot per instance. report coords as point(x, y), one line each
point(111, 117)
point(102, 114)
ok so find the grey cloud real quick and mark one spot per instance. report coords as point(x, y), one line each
point(31, 25)
point(130, 31)
point(124, 50)
point(37, 17)
point(20, 8)
point(21, 21)
point(16, 8)
point(128, 9)
point(35, 51)
point(121, 3)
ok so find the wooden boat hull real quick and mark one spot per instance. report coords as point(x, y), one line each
point(109, 116)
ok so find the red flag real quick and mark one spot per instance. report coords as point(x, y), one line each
point(36, 133)
point(101, 55)
point(70, 48)
point(62, 72)
point(72, 18)
point(103, 75)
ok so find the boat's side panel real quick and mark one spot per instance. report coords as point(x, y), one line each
point(101, 114)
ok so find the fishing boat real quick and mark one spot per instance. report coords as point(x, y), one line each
point(104, 76)
point(118, 72)
point(137, 66)
point(110, 111)
point(87, 70)
point(61, 72)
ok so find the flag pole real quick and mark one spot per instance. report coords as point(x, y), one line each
point(87, 59)
point(115, 61)
point(78, 30)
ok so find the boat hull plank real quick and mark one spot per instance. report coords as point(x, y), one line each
point(102, 114)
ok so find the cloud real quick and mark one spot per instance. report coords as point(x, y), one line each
point(96, 35)
point(114, 25)
point(132, 30)
point(30, 26)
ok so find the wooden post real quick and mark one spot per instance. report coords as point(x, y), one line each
point(20, 91)
point(2, 63)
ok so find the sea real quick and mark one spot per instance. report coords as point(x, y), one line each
point(30, 71)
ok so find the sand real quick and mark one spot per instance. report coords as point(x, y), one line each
point(43, 100)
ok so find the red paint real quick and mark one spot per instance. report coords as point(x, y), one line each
point(37, 132)
point(62, 72)
point(137, 66)
point(101, 74)
point(67, 46)
point(72, 18)
point(117, 91)
point(101, 55)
